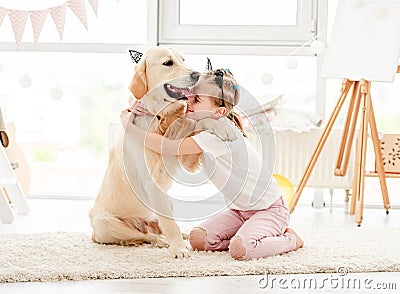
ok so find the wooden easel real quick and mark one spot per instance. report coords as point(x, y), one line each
point(360, 97)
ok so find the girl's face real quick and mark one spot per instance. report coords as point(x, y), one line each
point(202, 106)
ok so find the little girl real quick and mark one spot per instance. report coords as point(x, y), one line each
point(255, 223)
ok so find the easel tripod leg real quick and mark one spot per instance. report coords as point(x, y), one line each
point(348, 132)
point(346, 85)
point(361, 152)
point(378, 156)
point(354, 195)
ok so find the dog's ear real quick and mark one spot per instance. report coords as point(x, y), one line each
point(138, 85)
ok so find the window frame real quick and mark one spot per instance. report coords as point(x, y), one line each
point(212, 38)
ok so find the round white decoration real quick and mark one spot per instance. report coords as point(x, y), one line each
point(56, 93)
point(291, 62)
point(267, 78)
point(25, 81)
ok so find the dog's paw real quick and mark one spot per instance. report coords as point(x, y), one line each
point(221, 128)
point(160, 242)
point(179, 252)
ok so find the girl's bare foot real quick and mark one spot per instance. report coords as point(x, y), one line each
point(299, 241)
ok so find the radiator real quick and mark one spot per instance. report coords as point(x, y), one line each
point(293, 152)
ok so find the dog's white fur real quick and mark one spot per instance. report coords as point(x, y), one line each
point(132, 206)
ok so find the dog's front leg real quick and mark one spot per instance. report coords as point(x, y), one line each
point(169, 227)
point(173, 234)
point(159, 203)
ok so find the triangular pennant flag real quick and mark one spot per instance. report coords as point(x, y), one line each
point(3, 13)
point(95, 5)
point(58, 15)
point(37, 19)
point(78, 7)
point(18, 22)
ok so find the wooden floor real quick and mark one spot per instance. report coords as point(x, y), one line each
point(71, 215)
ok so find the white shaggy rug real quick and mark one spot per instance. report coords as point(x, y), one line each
point(72, 256)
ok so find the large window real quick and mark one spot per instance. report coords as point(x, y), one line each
point(62, 118)
point(79, 86)
point(63, 96)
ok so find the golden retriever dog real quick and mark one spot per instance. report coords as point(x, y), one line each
point(132, 206)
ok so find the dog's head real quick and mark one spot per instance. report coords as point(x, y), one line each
point(158, 66)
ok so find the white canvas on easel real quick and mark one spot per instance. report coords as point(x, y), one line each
point(364, 42)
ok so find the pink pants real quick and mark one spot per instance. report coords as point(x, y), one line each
point(262, 231)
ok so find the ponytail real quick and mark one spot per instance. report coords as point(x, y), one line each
point(237, 120)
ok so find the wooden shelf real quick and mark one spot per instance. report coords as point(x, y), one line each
point(387, 175)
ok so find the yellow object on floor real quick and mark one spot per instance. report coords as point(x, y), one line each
point(286, 186)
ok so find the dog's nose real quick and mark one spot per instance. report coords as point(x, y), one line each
point(195, 75)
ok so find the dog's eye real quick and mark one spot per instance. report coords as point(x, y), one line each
point(168, 63)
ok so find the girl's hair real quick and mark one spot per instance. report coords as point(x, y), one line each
point(230, 89)
point(230, 114)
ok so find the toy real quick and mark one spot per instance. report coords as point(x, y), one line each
point(286, 186)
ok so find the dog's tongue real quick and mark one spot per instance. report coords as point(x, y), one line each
point(181, 92)
point(186, 92)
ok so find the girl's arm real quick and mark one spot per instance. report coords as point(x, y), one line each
point(158, 143)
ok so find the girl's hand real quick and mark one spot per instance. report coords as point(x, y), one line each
point(136, 108)
point(126, 116)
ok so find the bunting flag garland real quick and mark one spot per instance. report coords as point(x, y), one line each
point(18, 22)
point(58, 14)
point(18, 17)
point(37, 19)
point(3, 13)
point(78, 7)
point(95, 5)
